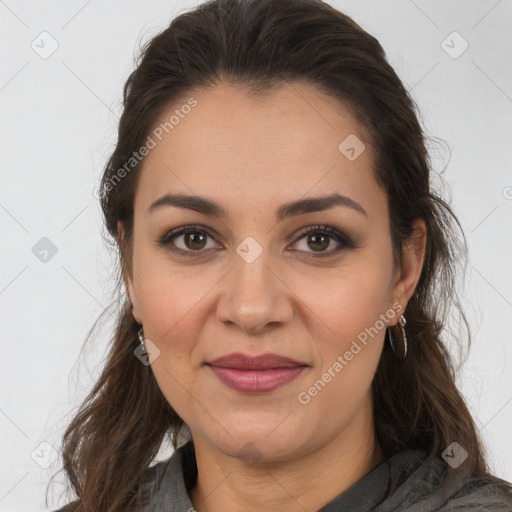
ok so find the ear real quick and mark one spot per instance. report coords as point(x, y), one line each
point(127, 277)
point(413, 255)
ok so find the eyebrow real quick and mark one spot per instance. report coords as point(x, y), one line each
point(209, 207)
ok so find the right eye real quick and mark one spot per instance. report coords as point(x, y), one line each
point(193, 240)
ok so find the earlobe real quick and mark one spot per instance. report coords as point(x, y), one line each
point(413, 256)
point(132, 296)
point(128, 284)
point(133, 299)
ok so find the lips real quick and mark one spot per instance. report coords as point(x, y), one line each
point(259, 374)
point(261, 362)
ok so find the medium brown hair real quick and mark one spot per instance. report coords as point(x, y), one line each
point(260, 45)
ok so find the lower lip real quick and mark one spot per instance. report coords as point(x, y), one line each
point(256, 381)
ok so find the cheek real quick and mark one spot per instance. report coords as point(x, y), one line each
point(353, 309)
point(348, 354)
point(171, 304)
point(169, 297)
point(349, 301)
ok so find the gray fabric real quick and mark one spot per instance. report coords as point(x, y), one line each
point(409, 481)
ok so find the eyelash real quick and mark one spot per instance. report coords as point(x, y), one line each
point(344, 241)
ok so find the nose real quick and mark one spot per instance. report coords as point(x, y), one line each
point(254, 296)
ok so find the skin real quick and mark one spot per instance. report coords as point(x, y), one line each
point(251, 156)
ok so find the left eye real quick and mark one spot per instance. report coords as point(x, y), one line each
point(194, 240)
point(319, 238)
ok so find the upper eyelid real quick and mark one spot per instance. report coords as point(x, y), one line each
point(181, 230)
point(331, 231)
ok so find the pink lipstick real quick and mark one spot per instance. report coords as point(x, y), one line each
point(259, 374)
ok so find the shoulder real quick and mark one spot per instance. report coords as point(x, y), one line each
point(423, 483)
point(441, 490)
point(486, 493)
point(153, 474)
point(150, 480)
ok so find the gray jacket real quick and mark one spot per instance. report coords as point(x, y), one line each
point(410, 481)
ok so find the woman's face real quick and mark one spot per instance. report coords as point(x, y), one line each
point(253, 281)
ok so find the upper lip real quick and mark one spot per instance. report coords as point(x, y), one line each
point(261, 362)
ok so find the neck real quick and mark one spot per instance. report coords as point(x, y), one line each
point(225, 483)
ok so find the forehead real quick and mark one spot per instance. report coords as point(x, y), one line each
point(277, 147)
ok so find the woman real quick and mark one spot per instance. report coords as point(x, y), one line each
point(287, 270)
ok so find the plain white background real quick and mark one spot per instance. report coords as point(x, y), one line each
point(58, 126)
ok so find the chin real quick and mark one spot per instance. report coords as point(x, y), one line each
point(260, 442)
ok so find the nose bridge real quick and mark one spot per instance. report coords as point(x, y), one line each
point(253, 296)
